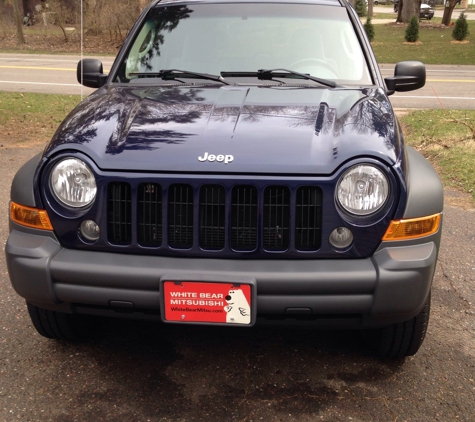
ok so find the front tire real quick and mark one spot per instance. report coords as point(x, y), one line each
point(404, 338)
point(59, 325)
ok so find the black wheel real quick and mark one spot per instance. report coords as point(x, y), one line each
point(404, 338)
point(60, 326)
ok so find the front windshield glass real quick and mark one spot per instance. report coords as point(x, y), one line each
point(213, 38)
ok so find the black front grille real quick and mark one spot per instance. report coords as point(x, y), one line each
point(213, 217)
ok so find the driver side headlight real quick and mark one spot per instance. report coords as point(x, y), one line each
point(362, 190)
point(73, 183)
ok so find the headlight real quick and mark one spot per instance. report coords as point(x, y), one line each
point(362, 190)
point(73, 183)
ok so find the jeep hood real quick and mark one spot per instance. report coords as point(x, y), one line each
point(267, 130)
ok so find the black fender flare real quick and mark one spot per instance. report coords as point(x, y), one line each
point(425, 193)
point(22, 190)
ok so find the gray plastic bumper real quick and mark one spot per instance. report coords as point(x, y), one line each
point(391, 286)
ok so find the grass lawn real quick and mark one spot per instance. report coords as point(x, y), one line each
point(447, 139)
point(31, 119)
point(435, 46)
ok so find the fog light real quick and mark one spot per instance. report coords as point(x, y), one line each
point(90, 230)
point(341, 238)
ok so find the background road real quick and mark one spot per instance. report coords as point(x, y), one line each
point(43, 73)
point(451, 87)
point(447, 87)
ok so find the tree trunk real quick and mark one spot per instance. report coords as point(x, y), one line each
point(409, 9)
point(17, 11)
point(27, 7)
point(448, 10)
point(399, 11)
point(65, 34)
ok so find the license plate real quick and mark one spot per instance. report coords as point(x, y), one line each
point(206, 302)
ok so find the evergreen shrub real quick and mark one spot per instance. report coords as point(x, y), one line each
point(369, 29)
point(412, 30)
point(460, 30)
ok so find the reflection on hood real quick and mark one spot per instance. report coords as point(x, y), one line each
point(298, 130)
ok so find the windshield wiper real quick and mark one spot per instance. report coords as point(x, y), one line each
point(172, 74)
point(269, 74)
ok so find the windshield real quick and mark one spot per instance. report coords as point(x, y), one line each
point(214, 38)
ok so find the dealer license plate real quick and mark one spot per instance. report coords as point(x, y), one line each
point(220, 303)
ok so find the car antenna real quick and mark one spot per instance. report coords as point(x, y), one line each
point(82, 49)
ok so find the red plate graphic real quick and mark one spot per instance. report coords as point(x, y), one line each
point(191, 301)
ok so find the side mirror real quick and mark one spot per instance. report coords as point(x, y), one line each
point(90, 73)
point(408, 76)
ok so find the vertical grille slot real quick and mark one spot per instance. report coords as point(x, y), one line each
point(308, 218)
point(276, 218)
point(119, 214)
point(149, 214)
point(180, 216)
point(212, 217)
point(244, 218)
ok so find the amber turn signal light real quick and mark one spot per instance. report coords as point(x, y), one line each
point(412, 228)
point(30, 217)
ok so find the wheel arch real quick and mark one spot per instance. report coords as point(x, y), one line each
point(22, 189)
point(425, 193)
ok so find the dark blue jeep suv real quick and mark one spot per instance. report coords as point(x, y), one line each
point(240, 163)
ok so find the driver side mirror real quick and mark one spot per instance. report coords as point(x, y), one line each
point(408, 76)
point(90, 73)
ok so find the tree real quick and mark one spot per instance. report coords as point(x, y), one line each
point(18, 14)
point(369, 29)
point(111, 16)
point(460, 30)
point(412, 30)
point(408, 9)
point(62, 12)
point(370, 8)
point(449, 8)
point(400, 5)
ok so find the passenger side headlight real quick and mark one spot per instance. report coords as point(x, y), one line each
point(362, 190)
point(73, 183)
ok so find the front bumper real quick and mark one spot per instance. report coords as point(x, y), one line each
point(389, 287)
